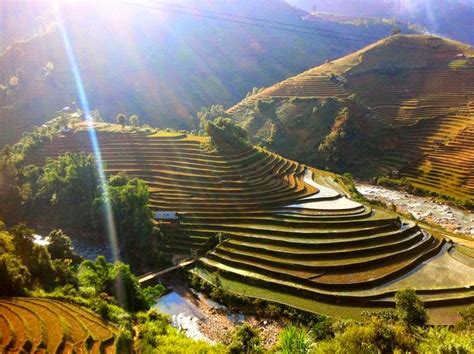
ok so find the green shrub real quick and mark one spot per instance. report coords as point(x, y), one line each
point(372, 336)
point(155, 335)
point(294, 340)
point(123, 341)
point(410, 308)
point(467, 320)
point(323, 330)
point(245, 340)
point(442, 340)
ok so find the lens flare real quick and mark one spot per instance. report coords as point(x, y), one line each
point(109, 217)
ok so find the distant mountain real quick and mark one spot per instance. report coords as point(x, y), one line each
point(161, 65)
point(449, 18)
point(21, 20)
point(402, 107)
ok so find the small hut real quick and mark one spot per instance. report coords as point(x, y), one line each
point(166, 218)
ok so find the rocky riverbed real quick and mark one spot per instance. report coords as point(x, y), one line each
point(422, 208)
point(201, 318)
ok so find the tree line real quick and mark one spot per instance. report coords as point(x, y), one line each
point(66, 192)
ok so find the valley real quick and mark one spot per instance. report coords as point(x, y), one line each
point(282, 226)
point(236, 177)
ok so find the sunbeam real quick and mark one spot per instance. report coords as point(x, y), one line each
point(109, 217)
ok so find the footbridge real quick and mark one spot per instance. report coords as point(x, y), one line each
point(160, 272)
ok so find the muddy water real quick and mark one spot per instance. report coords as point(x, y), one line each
point(422, 208)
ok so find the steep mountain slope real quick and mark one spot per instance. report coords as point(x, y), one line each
point(403, 106)
point(285, 229)
point(161, 65)
point(20, 21)
point(450, 18)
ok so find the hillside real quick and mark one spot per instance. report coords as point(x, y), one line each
point(402, 107)
point(20, 22)
point(276, 229)
point(146, 61)
point(36, 325)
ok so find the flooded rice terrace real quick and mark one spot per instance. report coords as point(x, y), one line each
point(422, 208)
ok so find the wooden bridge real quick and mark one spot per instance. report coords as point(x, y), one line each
point(158, 273)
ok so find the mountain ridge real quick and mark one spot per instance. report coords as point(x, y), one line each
point(148, 62)
point(401, 110)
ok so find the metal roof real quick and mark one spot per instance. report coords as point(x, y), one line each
point(165, 215)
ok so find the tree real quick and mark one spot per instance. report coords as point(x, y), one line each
point(117, 280)
point(396, 30)
point(10, 186)
point(128, 198)
point(121, 119)
point(71, 179)
point(224, 134)
point(35, 257)
point(14, 276)
point(123, 285)
point(60, 246)
point(206, 114)
point(23, 241)
point(134, 120)
point(410, 308)
point(96, 116)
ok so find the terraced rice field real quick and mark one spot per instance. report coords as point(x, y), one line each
point(432, 112)
point(284, 226)
point(38, 325)
point(304, 85)
point(422, 94)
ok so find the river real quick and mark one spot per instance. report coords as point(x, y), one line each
point(422, 208)
point(84, 248)
point(202, 318)
point(196, 315)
